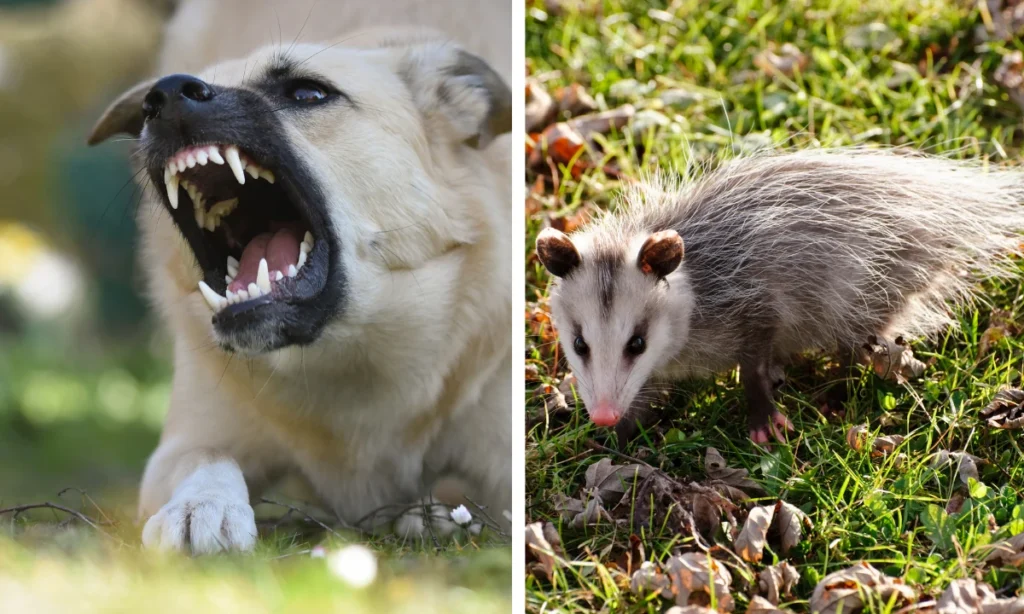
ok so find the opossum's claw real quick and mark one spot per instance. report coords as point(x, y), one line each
point(776, 428)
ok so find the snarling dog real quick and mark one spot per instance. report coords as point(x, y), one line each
point(325, 234)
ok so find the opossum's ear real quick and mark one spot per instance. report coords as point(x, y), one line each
point(661, 253)
point(459, 94)
point(556, 250)
point(123, 116)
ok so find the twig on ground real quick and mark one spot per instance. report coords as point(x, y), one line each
point(488, 520)
point(19, 509)
point(309, 517)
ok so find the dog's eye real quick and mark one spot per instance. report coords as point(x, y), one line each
point(306, 91)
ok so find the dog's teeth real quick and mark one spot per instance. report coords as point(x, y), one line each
point(292, 271)
point(190, 160)
point(308, 238)
point(172, 168)
point(214, 152)
point(224, 207)
point(172, 190)
point(202, 157)
point(214, 300)
point(302, 259)
point(305, 248)
point(231, 155)
point(263, 277)
point(200, 217)
point(253, 171)
point(232, 267)
point(212, 221)
point(181, 165)
point(228, 279)
point(278, 275)
point(254, 291)
point(267, 176)
point(242, 296)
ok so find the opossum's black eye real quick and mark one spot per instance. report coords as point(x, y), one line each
point(636, 345)
point(305, 91)
point(580, 346)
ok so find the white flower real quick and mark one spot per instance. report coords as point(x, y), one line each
point(461, 516)
point(318, 552)
point(355, 565)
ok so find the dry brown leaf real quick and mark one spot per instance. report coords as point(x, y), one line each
point(1010, 75)
point(648, 580)
point(777, 581)
point(760, 605)
point(695, 577)
point(575, 100)
point(1009, 552)
point(885, 445)
point(567, 385)
point(690, 609)
point(892, 360)
point(789, 522)
point(751, 540)
point(717, 469)
point(542, 547)
point(845, 590)
point(609, 481)
point(858, 436)
point(1006, 411)
point(970, 597)
point(967, 464)
point(602, 123)
point(787, 61)
point(540, 107)
point(562, 144)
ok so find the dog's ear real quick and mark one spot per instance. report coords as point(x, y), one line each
point(458, 93)
point(123, 116)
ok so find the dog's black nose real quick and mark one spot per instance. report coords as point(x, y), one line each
point(173, 90)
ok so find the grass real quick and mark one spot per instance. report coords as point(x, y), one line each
point(85, 416)
point(918, 78)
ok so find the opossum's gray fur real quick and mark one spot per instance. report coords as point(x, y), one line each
point(820, 249)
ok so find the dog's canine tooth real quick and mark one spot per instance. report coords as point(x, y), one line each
point(254, 171)
point(302, 259)
point(263, 277)
point(292, 271)
point(232, 266)
point(190, 160)
point(171, 181)
point(214, 300)
point(254, 291)
point(202, 157)
point(214, 152)
point(233, 160)
point(228, 279)
point(267, 176)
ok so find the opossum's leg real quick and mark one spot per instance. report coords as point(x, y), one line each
point(839, 393)
point(766, 421)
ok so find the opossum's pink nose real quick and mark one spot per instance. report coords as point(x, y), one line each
point(604, 414)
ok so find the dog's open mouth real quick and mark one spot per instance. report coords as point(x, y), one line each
point(248, 234)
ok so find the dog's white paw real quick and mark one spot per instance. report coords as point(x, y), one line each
point(208, 513)
point(202, 526)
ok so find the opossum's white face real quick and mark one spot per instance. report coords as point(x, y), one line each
point(615, 314)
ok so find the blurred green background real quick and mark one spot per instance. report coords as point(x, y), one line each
point(84, 374)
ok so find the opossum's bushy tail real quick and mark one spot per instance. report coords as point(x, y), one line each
point(841, 231)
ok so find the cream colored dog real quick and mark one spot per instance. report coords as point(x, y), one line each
point(326, 235)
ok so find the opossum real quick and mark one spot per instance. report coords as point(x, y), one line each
point(769, 256)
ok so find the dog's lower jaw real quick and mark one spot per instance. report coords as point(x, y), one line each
point(209, 512)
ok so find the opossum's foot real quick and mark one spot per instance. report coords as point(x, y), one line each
point(428, 519)
point(777, 427)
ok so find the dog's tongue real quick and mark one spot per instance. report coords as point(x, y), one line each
point(280, 248)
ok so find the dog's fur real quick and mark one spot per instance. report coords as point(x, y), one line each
point(412, 380)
